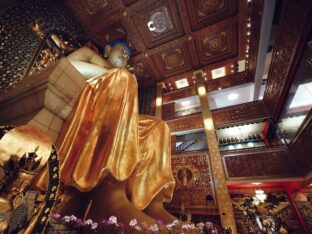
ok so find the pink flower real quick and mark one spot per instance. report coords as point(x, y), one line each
point(144, 225)
point(185, 226)
point(112, 220)
point(73, 218)
point(137, 227)
point(175, 222)
point(79, 222)
point(66, 219)
point(169, 226)
point(88, 222)
point(160, 222)
point(200, 226)
point(121, 225)
point(56, 215)
point(133, 222)
point(94, 225)
point(154, 228)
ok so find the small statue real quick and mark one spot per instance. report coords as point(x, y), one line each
point(17, 171)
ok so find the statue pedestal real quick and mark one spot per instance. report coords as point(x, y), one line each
point(44, 99)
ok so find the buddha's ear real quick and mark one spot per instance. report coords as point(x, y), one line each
point(107, 50)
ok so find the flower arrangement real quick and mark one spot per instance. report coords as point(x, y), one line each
point(159, 227)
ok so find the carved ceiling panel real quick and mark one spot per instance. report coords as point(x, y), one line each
point(140, 71)
point(94, 6)
point(217, 42)
point(129, 2)
point(118, 31)
point(173, 61)
point(115, 31)
point(157, 22)
point(172, 37)
point(206, 12)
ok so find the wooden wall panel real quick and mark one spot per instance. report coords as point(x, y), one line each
point(266, 163)
point(192, 174)
point(222, 117)
point(179, 94)
point(240, 113)
point(301, 149)
point(168, 111)
point(147, 99)
point(289, 43)
point(186, 123)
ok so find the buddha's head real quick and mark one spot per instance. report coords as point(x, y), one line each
point(118, 53)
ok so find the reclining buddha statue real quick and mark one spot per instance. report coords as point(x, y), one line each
point(113, 161)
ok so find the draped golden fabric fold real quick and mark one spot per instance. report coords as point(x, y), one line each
point(106, 135)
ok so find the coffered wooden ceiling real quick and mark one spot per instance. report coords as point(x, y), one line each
point(170, 38)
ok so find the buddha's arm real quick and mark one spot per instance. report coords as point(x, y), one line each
point(87, 55)
point(89, 63)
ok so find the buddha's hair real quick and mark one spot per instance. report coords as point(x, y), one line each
point(121, 42)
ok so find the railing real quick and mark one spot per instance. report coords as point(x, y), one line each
point(185, 145)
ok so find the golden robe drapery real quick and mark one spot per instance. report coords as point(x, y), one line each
point(105, 135)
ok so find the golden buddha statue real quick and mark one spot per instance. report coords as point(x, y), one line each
point(113, 160)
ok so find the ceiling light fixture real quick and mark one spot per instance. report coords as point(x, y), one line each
point(217, 73)
point(256, 201)
point(260, 195)
point(186, 103)
point(181, 83)
point(232, 96)
point(239, 146)
point(250, 144)
point(201, 91)
point(151, 26)
point(158, 101)
point(208, 123)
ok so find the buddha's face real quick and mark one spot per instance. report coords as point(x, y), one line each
point(118, 56)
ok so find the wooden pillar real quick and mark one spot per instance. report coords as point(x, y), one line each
point(158, 110)
point(222, 197)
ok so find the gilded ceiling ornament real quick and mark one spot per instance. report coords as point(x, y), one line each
point(159, 21)
point(139, 70)
point(173, 59)
point(93, 6)
point(215, 44)
point(207, 7)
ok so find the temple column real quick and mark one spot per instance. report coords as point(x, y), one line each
point(158, 109)
point(222, 197)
